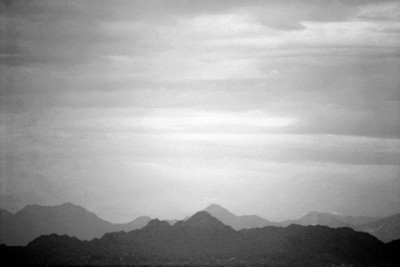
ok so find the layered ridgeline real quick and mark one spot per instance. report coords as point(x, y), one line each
point(69, 219)
point(237, 222)
point(385, 229)
point(202, 239)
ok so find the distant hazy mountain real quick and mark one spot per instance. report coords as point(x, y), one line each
point(34, 220)
point(386, 229)
point(202, 239)
point(333, 220)
point(137, 223)
point(318, 218)
point(237, 222)
point(359, 220)
point(172, 222)
point(392, 252)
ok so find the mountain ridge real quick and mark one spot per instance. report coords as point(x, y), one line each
point(386, 229)
point(202, 239)
point(68, 218)
point(237, 222)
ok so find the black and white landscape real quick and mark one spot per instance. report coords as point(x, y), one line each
point(69, 234)
point(68, 219)
point(137, 115)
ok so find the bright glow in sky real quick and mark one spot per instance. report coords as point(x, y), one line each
point(159, 108)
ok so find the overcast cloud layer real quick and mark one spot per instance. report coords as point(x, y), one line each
point(160, 108)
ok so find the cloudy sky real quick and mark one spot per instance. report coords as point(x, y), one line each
point(160, 108)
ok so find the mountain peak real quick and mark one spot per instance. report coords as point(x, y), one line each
point(203, 219)
point(236, 222)
point(323, 218)
point(215, 208)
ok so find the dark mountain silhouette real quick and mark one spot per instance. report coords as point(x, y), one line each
point(203, 220)
point(392, 252)
point(237, 222)
point(386, 229)
point(34, 220)
point(202, 239)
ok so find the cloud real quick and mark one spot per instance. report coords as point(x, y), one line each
point(65, 35)
point(166, 97)
point(386, 11)
point(74, 33)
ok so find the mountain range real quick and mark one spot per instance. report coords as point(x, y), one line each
point(203, 240)
point(385, 229)
point(68, 219)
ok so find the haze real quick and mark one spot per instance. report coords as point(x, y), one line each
point(160, 108)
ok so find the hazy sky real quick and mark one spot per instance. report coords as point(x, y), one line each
point(160, 108)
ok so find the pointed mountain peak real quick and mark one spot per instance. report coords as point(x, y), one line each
point(201, 215)
point(203, 219)
point(215, 208)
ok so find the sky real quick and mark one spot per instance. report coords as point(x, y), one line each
point(160, 108)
